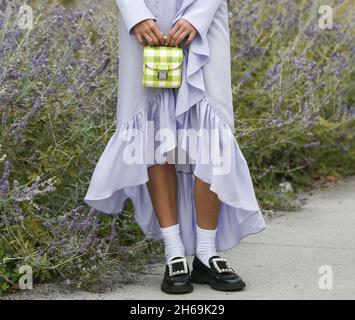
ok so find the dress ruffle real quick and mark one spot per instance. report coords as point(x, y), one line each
point(114, 180)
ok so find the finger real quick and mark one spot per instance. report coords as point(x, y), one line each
point(148, 39)
point(171, 33)
point(191, 37)
point(177, 36)
point(159, 35)
point(182, 37)
point(154, 38)
point(139, 38)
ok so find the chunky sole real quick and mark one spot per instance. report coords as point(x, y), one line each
point(204, 279)
point(176, 290)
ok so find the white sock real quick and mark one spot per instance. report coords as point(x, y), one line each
point(206, 244)
point(173, 243)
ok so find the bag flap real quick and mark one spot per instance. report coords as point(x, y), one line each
point(163, 65)
point(163, 58)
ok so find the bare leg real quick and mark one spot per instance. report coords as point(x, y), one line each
point(162, 187)
point(207, 212)
point(207, 205)
point(208, 208)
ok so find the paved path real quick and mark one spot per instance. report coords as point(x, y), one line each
point(281, 263)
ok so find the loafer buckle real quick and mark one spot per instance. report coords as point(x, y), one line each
point(174, 273)
point(221, 270)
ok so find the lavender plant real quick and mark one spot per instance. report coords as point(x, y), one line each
point(58, 87)
point(294, 92)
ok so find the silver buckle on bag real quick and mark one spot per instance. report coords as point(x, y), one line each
point(174, 273)
point(163, 74)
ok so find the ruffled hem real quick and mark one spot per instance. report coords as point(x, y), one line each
point(116, 178)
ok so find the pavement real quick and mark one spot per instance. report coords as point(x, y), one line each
point(307, 254)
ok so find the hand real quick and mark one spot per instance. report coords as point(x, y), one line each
point(181, 29)
point(147, 31)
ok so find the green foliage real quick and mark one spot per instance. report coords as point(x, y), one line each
point(293, 93)
point(8, 274)
point(58, 93)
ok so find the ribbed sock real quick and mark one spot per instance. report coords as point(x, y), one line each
point(206, 244)
point(174, 246)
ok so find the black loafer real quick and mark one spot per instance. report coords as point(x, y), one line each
point(177, 277)
point(220, 276)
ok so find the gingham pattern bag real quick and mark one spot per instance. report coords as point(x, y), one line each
point(162, 66)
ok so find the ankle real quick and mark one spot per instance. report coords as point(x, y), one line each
point(206, 245)
point(174, 246)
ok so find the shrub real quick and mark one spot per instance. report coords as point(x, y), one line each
point(293, 93)
point(58, 92)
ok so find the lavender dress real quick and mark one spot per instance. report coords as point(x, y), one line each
point(204, 101)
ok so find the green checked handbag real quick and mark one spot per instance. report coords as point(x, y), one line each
point(162, 66)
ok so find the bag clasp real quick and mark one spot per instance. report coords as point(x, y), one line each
point(163, 74)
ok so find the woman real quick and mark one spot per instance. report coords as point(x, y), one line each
point(197, 207)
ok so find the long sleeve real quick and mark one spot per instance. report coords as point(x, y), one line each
point(201, 13)
point(133, 12)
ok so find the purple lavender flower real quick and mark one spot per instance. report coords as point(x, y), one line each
point(13, 74)
point(269, 22)
point(273, 76)
point(42, 57)
point(246, 77)
point(278, 123)
point(51, 249)
point(311, 144)
point(50, 91)
point(59, 15)
point(4, 182)
point(3, 4)
point(301, 62)
point(311, 30)
point(18, 127)
point(289, 115)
